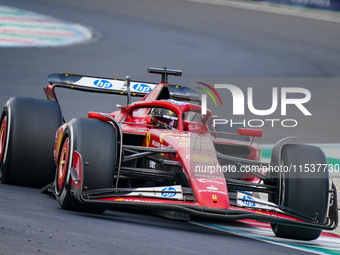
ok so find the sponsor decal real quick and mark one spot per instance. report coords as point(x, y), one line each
point(142, 121)
point(157, 144)
point(212, 187)
point(177, 102)
point(214, 191)
point(200, 158)
point(209, 181)
point(174, 136)
point(148, 136)
point(141, 87)
point(194, 127)
point(171, 192)
point(257, 203)
point(207, 176)
point(152, 164)
point(136, 200)
point(248, 201)
point(111, 84)
point(102, 84)
point(168, 192)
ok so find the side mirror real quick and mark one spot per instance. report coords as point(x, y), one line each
point(249, 132)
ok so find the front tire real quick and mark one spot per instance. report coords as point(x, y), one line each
point(95, 141)
point(303, 190)
point(27, 134)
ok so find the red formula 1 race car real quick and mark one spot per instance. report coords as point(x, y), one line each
point(162, 154)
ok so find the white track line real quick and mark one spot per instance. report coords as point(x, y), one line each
point(254, 237)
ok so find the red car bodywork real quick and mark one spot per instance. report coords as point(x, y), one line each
point(192, 145)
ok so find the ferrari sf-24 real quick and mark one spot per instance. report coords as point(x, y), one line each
point(161, 154)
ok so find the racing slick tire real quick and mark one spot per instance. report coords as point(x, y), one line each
point(27, 134)
point(95, 141)
point(304, 190)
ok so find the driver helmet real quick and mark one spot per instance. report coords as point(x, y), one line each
point(164, 118)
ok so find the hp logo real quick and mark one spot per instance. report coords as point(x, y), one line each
point(102, 84)
point(168, 192)
point(140, 87)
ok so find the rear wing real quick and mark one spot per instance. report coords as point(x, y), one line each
point(99, 84)
point(112, 86)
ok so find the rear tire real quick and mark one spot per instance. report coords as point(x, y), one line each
point(27, 133)
point(303, 191)
point(95, 140)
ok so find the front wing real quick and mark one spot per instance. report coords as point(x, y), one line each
point(181, 199)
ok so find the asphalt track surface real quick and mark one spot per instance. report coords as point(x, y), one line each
point(202, 40)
